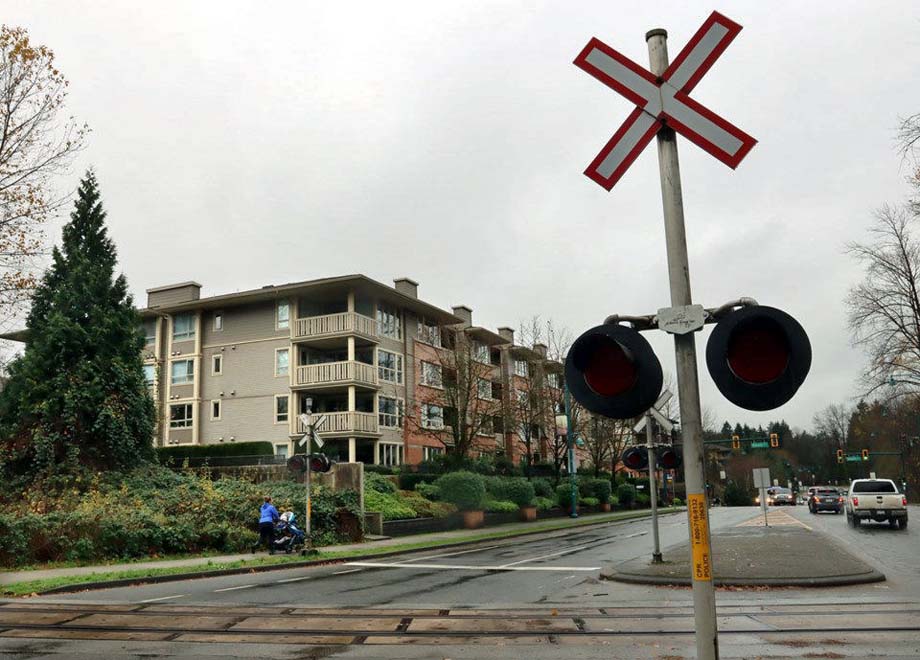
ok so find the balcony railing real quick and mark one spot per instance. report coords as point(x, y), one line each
point(336, 373)
point(334, 325)
point(345, 422)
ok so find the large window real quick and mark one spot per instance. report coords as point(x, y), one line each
point(481, 352)
point(553, 380)
point(429, 453)
point(150, 373)
point(428, 332)
point(484, 388)
point(390, 366)
point(431, 374)
point(182, 371)
point(390, 411)
point(391, 454)
point(180, 416)
point(183, 327)
point(150, 330)
point(389, 323)
point(520, 368)
point(283, 315)
point(281, 408)
point(282, 361)
point(432, 416)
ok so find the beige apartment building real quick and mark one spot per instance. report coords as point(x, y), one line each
point(370, 357)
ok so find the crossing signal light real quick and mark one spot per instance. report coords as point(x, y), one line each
point(865, 454)
point(840, 456)
point(758, 357)
point(736, 442)
point(612, 371)
point(319, 463)
point(635, 458)
point(297, 463)
point(669, 458)
point(774, 440)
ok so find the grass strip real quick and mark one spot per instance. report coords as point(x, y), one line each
point(34, 587)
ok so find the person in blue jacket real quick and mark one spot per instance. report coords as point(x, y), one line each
point(268, 515)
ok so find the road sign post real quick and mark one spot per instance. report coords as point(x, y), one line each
point(570, 441)
point(653, 487)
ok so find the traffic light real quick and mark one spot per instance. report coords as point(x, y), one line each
point(668, 457)
point(758, 357)
point(319, 463)
point(840, 456)
point(736, 442)
point(297, 463)
point(612, 371)
point(865, 454)
point(635, 458)
point(774, 440)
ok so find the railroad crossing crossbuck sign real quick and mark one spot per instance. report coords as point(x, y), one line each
point(664, 100)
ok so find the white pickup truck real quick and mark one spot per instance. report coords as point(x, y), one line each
point(876, 499)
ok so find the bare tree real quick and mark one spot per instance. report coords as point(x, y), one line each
point(833, 422)
point(605, 440)
point(36, 143)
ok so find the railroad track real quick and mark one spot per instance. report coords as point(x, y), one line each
point(330, 626)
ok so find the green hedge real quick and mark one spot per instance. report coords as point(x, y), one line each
point(589, 501)
point(599, 488)
point(643, 500)
point(564, 494)
point(500, 506)
point(409, 480)
point(465, 490)
point(543, 488)
point(391, 505)
point(544, 503)
point(626, 494)
point(510, 489)
point(177, 454)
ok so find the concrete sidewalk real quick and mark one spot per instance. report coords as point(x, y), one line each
point(750, 554)
point(438, 538)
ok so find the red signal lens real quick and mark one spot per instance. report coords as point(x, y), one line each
point(609, 369)
point(758, 352)
point(668, 459)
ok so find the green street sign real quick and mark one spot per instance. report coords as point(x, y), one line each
point(854, 458)
point(759, 445)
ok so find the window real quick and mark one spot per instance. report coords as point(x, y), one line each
point(390, 411)
point(282, 356)
point(388, 322)
point(150, 373)
point(150, 330)
point(874, 486)
point(522, 398)
point(428, 332)
point(553, 380)
point(432, 416)
point(281, 451)
point(180, 416)
point(520, 368)
point(217, 364)
point(183, 371)
point(218, 321)
point(484, 388)
point(486, 428)
point(480, 352)
point(390, 366)
point(428, 453)
point(391, 454)
point(431, 374)
point(215, 409)
point(183, 327)
point(283, 315)
point(281, 408)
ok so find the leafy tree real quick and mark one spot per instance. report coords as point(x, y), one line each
point(77, 396)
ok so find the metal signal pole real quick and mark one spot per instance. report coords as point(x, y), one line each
point(704, 601)
point(653, 486)
point(570, 441)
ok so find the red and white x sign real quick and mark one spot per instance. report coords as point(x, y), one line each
point(664, 100)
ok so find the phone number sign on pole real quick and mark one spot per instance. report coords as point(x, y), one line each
point(664, 100)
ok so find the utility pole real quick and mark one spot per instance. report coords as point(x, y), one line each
point(704, 601)
point(653, 486)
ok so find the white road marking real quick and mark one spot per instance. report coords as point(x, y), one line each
point(244, 586)
point(353, 570)
point(153, 600)
point(552, 554)
point(448, 554)
point(460, 567)
point(297, 579)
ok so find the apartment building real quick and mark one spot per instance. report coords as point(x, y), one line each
point(374, 359)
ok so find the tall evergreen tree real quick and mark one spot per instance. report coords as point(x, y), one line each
point(77, 395)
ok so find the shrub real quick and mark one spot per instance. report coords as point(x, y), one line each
point(389, 504)
point(379, 469)
point(505, 466)
point(408, 480)
point(589, 501)
point(426, 508)
point(177, 454)
point(677, 502)
point(736, 495)
point(643, 500)
point(378, 482)
point(543, 487)
point(564, 495)
point(544, 503)
point(596, 488)
point(520, 491)
point(626, 494)
point(500, 506)
point(614, 501)
point(428, 491)
point(465, 490)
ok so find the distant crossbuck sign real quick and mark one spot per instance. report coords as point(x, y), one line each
point(664, 100)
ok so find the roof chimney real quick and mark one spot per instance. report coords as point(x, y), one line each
point(465, 313)
point(406, 287)
point(540, 350)
point(507, 334)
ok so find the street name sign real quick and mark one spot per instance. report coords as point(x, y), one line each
point(664, 100)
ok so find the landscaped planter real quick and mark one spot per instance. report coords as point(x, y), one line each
point(473, 519)
point(605, 507)
point(528, 513)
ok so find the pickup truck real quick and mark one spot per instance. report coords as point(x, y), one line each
point(876, 499)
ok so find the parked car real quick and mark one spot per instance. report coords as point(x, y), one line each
point(825, 499)
point(878, 500)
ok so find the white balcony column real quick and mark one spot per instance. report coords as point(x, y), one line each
point(376, 452)
point(351, 348)
point(352, 450)
point(351, 398)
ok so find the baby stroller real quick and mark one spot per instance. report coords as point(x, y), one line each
point(288, 537)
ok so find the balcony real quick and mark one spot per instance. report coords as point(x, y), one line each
point(332, 326)
point(345, 423)
point(332, 374)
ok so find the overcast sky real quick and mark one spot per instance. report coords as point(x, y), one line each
point(240, 144)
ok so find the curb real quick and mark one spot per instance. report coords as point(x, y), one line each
point(192, 575)
point(829, 581)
